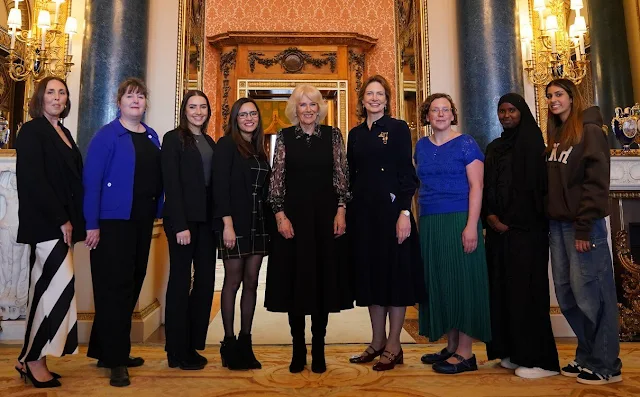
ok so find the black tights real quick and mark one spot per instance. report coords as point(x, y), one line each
point(237, 271)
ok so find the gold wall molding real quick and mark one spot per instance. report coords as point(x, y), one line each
point(339, 85)
point(137, 315)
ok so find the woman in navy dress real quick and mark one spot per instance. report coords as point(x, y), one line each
point(384, 244)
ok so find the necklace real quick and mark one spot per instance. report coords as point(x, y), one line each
point(135, 129)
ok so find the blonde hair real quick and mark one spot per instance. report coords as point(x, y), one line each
point(296, 96)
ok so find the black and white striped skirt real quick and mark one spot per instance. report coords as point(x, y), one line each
point(52, 328)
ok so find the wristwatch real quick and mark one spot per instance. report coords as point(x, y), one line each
point(405, 212)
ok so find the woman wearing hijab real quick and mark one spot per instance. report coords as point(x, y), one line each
point(517, 244)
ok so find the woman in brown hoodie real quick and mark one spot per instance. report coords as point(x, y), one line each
point(578, 171)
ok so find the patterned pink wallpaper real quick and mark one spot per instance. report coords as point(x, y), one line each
point(370, 17)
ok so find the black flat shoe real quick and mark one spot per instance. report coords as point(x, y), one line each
point(119, 377)
point(465, 365)
point(53, 382)
point(197, 357)
point(131, 362)
point(433, 358)
point(187, 365)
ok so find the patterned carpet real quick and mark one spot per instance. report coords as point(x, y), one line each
point(82, 378)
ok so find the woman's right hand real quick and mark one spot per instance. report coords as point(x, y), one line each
point(496, 225)
point(93, 237)
point(67, 230)
point(229, 237)
point(184, 237)
point(284, 225)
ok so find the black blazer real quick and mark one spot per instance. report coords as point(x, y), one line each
point(233, 188)
point(183, 177)
point(50, 188)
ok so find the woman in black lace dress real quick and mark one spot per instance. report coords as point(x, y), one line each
point(308, 273)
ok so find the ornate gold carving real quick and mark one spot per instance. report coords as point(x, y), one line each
point(620, 152)
point(629, 312)
point(287, 84)
point(227, 62)
point(357, 62)
point(623, 194)
point(292, 60)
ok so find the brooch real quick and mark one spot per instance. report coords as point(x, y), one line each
point(384, 136)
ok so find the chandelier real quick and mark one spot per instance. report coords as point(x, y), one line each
point(553, 56)
point(45, 51)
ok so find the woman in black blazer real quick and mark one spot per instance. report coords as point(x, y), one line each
point(240, 179)
point(187, 157)
point(49, 176)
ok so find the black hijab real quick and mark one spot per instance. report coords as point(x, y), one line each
point(527, 145)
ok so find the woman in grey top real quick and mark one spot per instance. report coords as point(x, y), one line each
point(187, 158)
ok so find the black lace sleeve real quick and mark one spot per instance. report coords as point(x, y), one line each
point(277, 188)
point(340, 167)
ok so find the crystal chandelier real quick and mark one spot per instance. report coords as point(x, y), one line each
point(45, 51)
point(553, 56)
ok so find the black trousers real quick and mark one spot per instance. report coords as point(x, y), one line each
point(118, 268)
point(188, 308)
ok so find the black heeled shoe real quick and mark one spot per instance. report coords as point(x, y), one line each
point(369, 355)
point(318, 362)
point(22, 374)
point(230, 355)
point(53, 382)
point(245, 346)
point(187, 365)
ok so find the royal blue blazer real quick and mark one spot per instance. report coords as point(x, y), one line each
point(108, 174)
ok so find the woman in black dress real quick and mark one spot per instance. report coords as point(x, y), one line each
point(187, 157)
point(240, 175)
point(384, 249)
point(517, 244)
point(49, 182)
point(308, 273)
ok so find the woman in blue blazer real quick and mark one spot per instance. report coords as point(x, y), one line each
point(123, 196)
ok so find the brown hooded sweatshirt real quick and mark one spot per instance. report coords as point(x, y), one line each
point(579, 177)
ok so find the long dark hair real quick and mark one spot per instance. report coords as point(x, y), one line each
point(256, 147)
point(185, 134)
point(570, 132)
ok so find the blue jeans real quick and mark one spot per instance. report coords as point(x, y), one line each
point(586, 292)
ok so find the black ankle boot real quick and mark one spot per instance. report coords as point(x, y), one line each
point(299, 356)
point(246, 350)
point(230, 354)
point(318, 363)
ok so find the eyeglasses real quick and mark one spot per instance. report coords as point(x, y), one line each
point(438, 110)
point(246, 115)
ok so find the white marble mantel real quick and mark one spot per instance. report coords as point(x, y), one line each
point(625, 172)
point(14, 257)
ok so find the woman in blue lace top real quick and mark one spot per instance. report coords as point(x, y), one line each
point(450, 167)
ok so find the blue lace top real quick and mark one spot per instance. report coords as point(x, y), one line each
point(444, 186)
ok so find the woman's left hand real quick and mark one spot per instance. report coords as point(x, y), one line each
point(403, 228)
point(469, 239)
point(583, 246)
point(339, 222)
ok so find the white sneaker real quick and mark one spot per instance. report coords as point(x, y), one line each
point(534, 373)
point(506, 363)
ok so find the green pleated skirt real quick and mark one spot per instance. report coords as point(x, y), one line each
point(457, 283)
